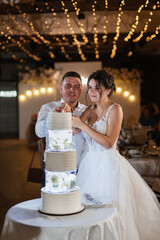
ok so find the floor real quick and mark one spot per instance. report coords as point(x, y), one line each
point(15, 157)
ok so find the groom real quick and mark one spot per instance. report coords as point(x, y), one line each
point(70, 89)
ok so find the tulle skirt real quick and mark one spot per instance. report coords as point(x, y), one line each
point(109, 177)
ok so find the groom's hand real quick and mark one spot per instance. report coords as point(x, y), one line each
point(64, 107)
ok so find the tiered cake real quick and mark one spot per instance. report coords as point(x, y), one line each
point(60, 196)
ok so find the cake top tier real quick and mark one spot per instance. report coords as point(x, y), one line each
point(59, 121)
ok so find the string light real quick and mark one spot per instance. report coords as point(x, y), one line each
point(135, 24)
point(80, 25)
point(144, 30)
point(26, 18)
point(50, 90)
point(22, 98)
point(43, 90)
point(106, 4)
point(74, 36)
point(95, 37)
point(149, 38)
point(23, 48)
point(28, 93)
point(130, 53)
point(126, 93)
point(118, 89)
point(39, 39)
point(11, 54)
point(25, 30)
point(114, 49)
point(132, 98)
point(36, 92)
point(67, 56)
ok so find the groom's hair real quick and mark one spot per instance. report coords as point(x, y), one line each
point(71, 74)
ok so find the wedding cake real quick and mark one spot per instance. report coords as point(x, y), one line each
point(60, 195)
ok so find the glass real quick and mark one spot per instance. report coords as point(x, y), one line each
point(57, 182)
point(60, 140)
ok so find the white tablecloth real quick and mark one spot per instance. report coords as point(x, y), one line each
point(24, 222)
point(146, 166)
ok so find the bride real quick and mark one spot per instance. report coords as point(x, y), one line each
point(104, 173)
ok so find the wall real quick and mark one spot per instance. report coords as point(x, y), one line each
point(131, 109)
point(31, 106)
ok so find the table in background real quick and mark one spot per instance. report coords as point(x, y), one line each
point(146, 166)
point(24, 221)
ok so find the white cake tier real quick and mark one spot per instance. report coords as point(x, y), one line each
point(59, 121)
point(61, 203)
point(60, 161)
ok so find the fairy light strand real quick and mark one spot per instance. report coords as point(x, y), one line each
point(26, 18)
point(95, 36)
point(67, 56)
point(135, 24)
point(114, 49)
point(149, 38)
point(74, 36)
point(11, 54)
point(25, 30)
point(80, 25)
point(18, 43)
point(144, 29)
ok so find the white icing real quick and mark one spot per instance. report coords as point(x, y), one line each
point(59, 121)
point(61, 203)
point(61, 161)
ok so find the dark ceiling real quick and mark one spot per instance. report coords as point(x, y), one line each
point(42, 45)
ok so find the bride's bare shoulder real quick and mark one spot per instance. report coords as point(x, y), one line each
point(117, 109)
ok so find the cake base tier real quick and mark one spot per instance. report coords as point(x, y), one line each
point(61, 203)
point(52, 214)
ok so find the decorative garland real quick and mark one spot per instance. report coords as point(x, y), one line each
point(40, 76)
point(125, 75)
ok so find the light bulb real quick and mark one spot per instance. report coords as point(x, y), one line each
point(43, 90)
point(28, 93)
point(22, 97)
point(50, 90)
point(36, 92)
point(126, 93)
point(132, 97)
point(119, 90)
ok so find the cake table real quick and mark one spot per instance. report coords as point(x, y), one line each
point(24, 221)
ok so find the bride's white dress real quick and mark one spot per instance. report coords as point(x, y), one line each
point(108, 176)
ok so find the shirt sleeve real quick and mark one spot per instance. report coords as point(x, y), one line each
point(41, 126)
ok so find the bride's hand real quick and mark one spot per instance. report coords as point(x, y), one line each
point(76, 122)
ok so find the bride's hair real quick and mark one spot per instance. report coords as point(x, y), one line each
point(103, 78)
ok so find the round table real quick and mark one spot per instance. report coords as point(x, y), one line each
point(24, 221)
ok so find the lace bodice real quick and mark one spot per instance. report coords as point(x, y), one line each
point(101, 127)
